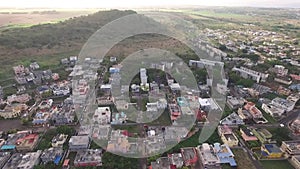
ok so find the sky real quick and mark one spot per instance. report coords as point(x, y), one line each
point(142, 3)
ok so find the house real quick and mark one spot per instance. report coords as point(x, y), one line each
point(20, 70)
point(162, 163)
point(189, 155)
point(295, 126)
point(283, 91)
point(271, 151)
point(253, 110)
point(52, 155)
point(34, 66)
point(43, 89)
point(284, 104)
point(234, 103)
point(291, 148)
point(244, 115)
point(45, 104)
point(232, 119)
point(251, 74)
point(283, 80)
point(55, 76)
point(176, 160)
point(175, 112)
point(208, 157)
point(12, 139)
point(295, 161)
point(13, 161)
point(23, 98)
point(29, 160)
point(263, 135)
point(272, 110)
point(227, 136)
point(79, 143)
point(113, 59)
point(279, 70)
point(247, 134)
point(295, 77)
point(207, 104)
point(225, 154)
point(41, 117)
point(102, 115)
point(27, 143)
point(4, 157)
point(13, 110)
point(89, 157)
point(59, 140)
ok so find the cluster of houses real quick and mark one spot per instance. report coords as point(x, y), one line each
point(271, 44)
point(202, 156)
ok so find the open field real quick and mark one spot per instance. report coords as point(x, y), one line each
point(25, 18)
point(242, 159)
point(276, 164)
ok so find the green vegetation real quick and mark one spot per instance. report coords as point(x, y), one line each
point(276, 164)
point(46, 139)
point(243, 159)
point(234, 78)
point(112, 161)
point(280, 134)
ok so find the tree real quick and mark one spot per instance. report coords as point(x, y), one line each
point(65, 130)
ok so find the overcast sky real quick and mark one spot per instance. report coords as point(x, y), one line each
point(143, 3)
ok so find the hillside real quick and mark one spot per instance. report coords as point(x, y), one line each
point(27, 43)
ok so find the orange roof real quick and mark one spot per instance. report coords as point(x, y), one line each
point(66, 162)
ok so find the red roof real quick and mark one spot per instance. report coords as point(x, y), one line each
point(66, 162)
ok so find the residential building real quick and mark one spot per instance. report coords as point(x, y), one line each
point(283, 91)
point(79, 143)
point(272, 110)
point(282, 80)
point(207, 104)
point(52, 155)
point(27, 143)
point(247, 134)
point(208, 157)
point(263, 135)
point(23, 98)
point(225, 154)
point(295, 126)
point(89, 157)
point(227, 136)
point(189, 155)
point(46, 104)
point(29, 160)
point(13, 161)
point(13, 110)
point(162, 163)
point(59, 140)
point(143, 76)
point(232, 119)
point(295, 77)
point(244, 115)
point(176, 160)
point(4, 157)
point(253, 110)
point(251, 74)
point(34, 66)
point(102, 115)
point(12, 139)
point(284, 104)
point(295, 161)
point(279, 70)
point(271, 151)
point(291, 148)
point(235, 103)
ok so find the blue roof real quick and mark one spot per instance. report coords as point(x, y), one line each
point(8, 147)
point(231, 161)
point(272, 148)
point(57, 159)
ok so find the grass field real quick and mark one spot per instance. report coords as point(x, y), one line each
point(276, 164)
point(242, 159)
